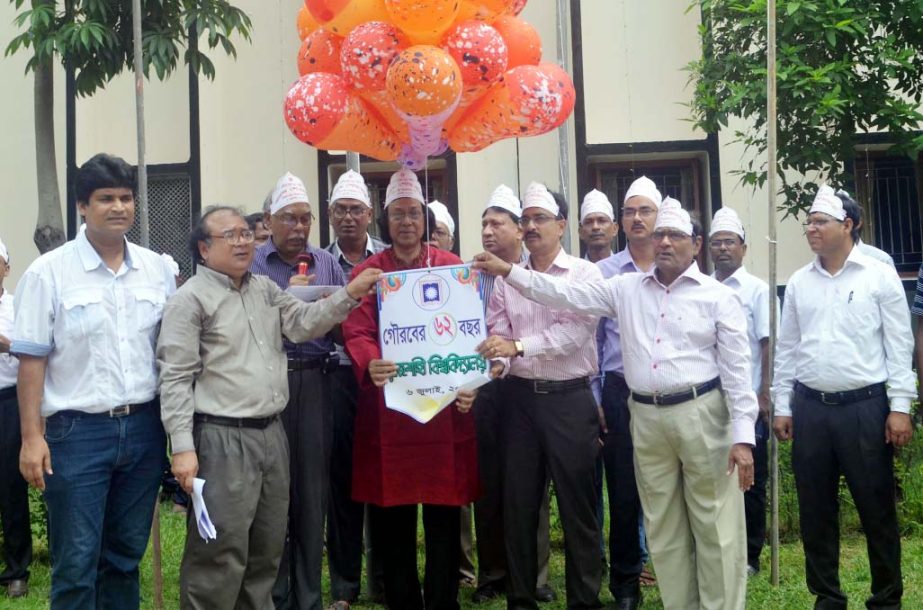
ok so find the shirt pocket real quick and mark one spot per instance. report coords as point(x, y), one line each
point(84, 313)
point(148, 308)
point(860, 313)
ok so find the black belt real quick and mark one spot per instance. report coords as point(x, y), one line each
point(542, 386)
point(119, 411)
point(667, 400)
point(841, 398)
point(260, 423)
point(9, 392)
point(304, 364)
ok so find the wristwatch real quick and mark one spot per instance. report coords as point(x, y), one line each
point(520, 350)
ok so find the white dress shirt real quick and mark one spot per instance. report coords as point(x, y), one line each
point(673, 337)
point(754, 295)
point(844, 332)
point(97, 327)
point(557, 345)
point(9, 365)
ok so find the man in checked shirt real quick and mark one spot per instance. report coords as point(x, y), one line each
point(684, 338)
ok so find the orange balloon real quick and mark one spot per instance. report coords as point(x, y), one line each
point(306, 23)
point(341, 16)
point(529, 101)
point(485, 10)
point(320, 52)
point(381, 103)
point(423, 81)
point(523, 41)
point(422, 19)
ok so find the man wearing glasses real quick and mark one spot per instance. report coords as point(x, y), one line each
point(684, 337)
point(224, 384)
point(843, 388)
point(289, 260)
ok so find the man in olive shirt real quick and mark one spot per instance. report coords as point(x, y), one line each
point(223, 384)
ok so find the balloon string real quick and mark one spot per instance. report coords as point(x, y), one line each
point(429, 259)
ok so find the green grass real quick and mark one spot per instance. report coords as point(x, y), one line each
point(791, 593)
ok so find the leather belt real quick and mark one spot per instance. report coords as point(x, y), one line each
point(260, 423)
point(841, 398)
point(668, 400)
point(542, 386)
point(119, 411)
point(327, 363)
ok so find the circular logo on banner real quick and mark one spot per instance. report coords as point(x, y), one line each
point(442, 329)
point(431, 292)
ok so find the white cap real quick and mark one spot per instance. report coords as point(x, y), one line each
point(351, 185)
point(726, 219)
point(442, 215)
point(289, 189)
point(537, 196)
point(827, 202)
point(673, 216)
point(596, 202)
point(504, 198)
point(404, 183)
point(4, 253)
point(644, 187)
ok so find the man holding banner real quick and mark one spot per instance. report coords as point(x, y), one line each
point(552, 423)
point(399, 463)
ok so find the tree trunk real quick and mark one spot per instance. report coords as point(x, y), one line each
point(49, 227)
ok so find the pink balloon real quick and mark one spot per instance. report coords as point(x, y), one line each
point(368, 51)
point(479, 50)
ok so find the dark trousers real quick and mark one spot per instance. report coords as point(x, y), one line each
point(308, 423)
point(344, 516)
point(847, 439)
point(624, 503)
point(755, 497)
point(556, 433)
point(488, 509)
point(14, 494)
point(395, 533)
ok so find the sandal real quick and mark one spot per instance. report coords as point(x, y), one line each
point(647, 578)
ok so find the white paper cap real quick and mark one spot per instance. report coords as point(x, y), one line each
point(726, 219)
point(644, 187)
point(351, 185)
point(537, 196)
point(4, 252)
point(289, 189)
point(596, 202)
point(504, 198)
point(672, 216)
point(442, 215)
point(827, 202)
point(404, 183)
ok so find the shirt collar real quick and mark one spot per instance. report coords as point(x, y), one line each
point(369, 250)
point(692, 272)
point(737, 277)
point(90, 258)
point(561, 261)
point(625, 261)
point(856, 257)
point(216, 277)
point(269, 249)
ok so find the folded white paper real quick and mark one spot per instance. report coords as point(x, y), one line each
point(311, 293)
point(202, 520)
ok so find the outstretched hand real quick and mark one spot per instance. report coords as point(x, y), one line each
point(363, 284)
point(491, 264)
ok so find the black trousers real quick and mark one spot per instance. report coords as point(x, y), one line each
point(755, 497)
point(344, 516)
point(308, 423)
point(624, 504)
point(557, 433)
point(847, 439)
point(14, 498)
point(395, 533)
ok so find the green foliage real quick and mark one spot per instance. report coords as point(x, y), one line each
point(94, 37)
point(842, 68)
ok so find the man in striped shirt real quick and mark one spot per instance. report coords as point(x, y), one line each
point(548, 357)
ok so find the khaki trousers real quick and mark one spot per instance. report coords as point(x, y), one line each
point(693, 511)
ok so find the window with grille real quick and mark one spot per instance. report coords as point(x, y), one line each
point(170, 212)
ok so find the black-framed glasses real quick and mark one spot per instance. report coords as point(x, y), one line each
point(355, 212)
point(233, 238)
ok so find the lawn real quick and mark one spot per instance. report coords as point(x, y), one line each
point(790, 594)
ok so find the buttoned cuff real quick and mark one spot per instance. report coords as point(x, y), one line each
point(181, 441)
point(531, 347)
point(743, 431)
point(506, 366)
point(28, 348)
point(900, 405)
point(782, 407)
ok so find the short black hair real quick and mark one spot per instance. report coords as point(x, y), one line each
point(696, 224)
point(385, 232)
point(252, 219)
point(200, 230)
point(495, 208)
point(853, 212)
point(562, 204)
point(103, 171)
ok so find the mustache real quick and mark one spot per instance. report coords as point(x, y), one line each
point(532, 234)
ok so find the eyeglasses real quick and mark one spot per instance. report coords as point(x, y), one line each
point(356, 213)
point(719, 243)
point(414, 216)
point(644, 212)
point(671, 235)
point(291, 221)
point(820, 223)
point(236, 237)
point(439, 232)
point(539, 220)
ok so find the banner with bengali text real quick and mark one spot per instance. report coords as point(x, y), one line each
point(430, 321)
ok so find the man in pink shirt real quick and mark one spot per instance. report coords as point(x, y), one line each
point(548, 357)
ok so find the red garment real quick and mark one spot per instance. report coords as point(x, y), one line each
point(397, 460)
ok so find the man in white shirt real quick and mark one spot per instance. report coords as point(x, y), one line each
point(684, 337)
point(843, 388)
point(727, 245)
point(14, 498)
point(87, 318)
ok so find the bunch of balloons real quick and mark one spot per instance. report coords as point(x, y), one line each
point(407, 79)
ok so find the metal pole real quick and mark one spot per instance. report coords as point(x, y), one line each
point(352, 161)
point(773, 280)
point(143, 216)
point(563, 148)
